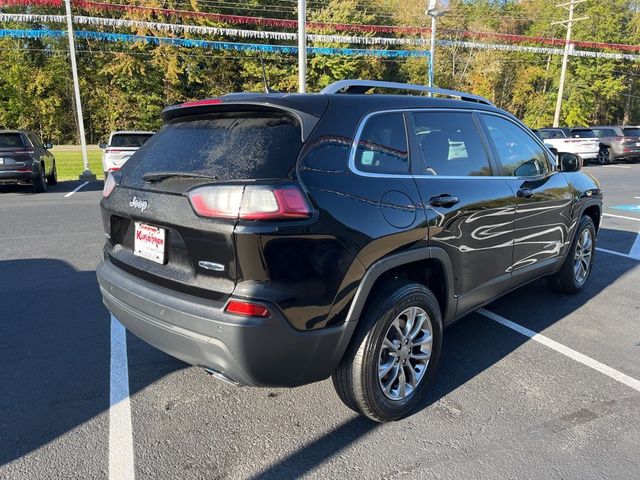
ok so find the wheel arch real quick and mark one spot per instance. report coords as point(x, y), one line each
point(428, 266)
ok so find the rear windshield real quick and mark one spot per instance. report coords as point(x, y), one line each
point(582, 133)
point(632, 132)
point(129, 139)
point(9, 140)
point(231, 146)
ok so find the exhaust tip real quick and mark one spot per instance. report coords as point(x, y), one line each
point(220, 376)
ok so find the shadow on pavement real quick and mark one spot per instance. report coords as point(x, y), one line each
point(54, 352)
point(61, 187)
point(53, 343)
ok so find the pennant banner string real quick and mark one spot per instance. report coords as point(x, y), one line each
point(182, 42)
point(292, 24)
point(115, 22)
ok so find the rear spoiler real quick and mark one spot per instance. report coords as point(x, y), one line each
point(246, 102)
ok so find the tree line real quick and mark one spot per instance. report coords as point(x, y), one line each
point(126, 85)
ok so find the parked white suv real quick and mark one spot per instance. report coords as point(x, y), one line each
point(579, 141)
point(120, 147)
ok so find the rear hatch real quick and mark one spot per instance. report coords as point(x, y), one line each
point(122, 146)
point(582, 140)
point(631, 140)
point(14, 154)
point(224, 147)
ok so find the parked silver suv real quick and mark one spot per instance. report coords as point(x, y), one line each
point(618, 143)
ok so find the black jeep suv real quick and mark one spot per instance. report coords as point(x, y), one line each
point(277, 240)
point(24, 158)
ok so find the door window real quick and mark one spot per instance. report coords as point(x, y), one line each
point(382, 146)
point(449, 144)
point(519, 153)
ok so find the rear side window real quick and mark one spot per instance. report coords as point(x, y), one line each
point(575, 133)
point(382, 146)
point(519, 153)
point(129, 139)
point(231, 146)
point(632, 132)
point(605, 132)
point(10, 140)
point(450, 144)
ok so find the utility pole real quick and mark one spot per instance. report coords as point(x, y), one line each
point(87, 175)
point(567, 48)
point(302, 46)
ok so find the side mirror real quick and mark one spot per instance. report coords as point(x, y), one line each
point(102, 145)
point(569, 162)
point(48, 146)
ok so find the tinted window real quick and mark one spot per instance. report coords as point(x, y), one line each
point(632, 132)
point(552, 134)
point(382, 146)
point(605, 132)
point(575, 133)
point(519, 153)
point(230, 146)
point(450, 144)
point(9, 140)
point(35, 140)
point(129, 139)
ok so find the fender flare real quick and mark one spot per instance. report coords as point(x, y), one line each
point(402, 258)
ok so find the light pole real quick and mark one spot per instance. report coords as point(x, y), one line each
point(435, 9)
point(302, 46)
point(86, 174)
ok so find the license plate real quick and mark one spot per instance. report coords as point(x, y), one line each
point(638, 144)
point(149, 242)
point(1, 161)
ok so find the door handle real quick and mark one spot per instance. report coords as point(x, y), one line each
point(525, 193)
point(443, 201)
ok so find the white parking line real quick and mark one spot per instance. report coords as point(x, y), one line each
point(120, 432)
point(615, 166)
point(568, 352)
point(621, 216)
point(76, 189)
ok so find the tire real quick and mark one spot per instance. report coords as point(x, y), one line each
point(40, 183)
point(357, 379)
point(605, 156)
point(52, 178)
point(567, 279)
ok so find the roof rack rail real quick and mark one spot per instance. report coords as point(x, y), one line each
point(363, 86)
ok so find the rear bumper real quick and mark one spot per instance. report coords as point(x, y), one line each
point(13, 176)
point(247, 351)
point(588, 155)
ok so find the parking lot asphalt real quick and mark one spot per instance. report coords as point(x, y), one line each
point(503, 406)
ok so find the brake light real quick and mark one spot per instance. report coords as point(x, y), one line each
point(251, 202)
point(109, 185)
point(247, 309)
point(23, 169)
point(197, 103)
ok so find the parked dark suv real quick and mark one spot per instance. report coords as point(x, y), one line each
point(277, 240)
point(24, 158)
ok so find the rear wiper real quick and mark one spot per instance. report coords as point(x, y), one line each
point(159, 176)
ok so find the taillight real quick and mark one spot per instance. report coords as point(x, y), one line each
point(247, 309)
point(24, 150)
point(197, 103)
point(251, 202)
point(109, 185)
point(113, 150)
